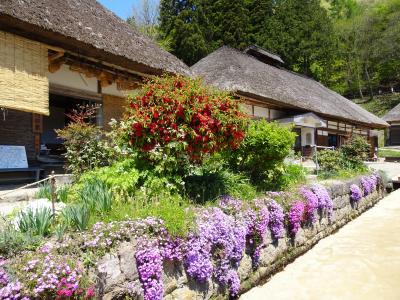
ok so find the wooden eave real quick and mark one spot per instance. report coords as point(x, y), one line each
point(274, 104)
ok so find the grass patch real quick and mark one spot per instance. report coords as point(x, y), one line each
point(44, 191)
point(388, 153)
point(342, 174)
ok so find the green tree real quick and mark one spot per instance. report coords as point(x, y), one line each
point(344, 9)
point(367, 58)
point(225, 22)
point(198, 27)
point(302, 34)
point(260, 21)
point(180, 22)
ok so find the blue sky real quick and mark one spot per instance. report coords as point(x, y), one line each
point(123, 8)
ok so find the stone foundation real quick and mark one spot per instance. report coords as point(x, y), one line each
point(117, 273)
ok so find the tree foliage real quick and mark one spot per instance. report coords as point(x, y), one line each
point(352, 46)
point(299, 31)
point(367, 58)
point(263, 151)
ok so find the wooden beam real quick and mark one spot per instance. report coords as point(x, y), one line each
point(58, 89)
point(55, 56)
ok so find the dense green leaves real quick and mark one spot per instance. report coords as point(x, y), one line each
point(300, 31)
point(263, 150)
point(367, 58)
point(351, 46)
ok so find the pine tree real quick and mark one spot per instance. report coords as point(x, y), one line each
point(179, 24)
point(225, 22)
point(198, 27)
point(301, 32)
point(261, 19)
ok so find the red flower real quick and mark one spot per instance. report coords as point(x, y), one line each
point(179, 84)
point(177, 109)
point(90, 293)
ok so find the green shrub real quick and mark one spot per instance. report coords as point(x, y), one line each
point(85, 147)
point(263, 151)
point(63, 192)
point(356, 150)
point(37, 221)
point(329, 160)
point(292, 175)
point(14, 241)
point(208, 186)
point(121, 177)
point(76, 216)
point(44, 191)
point(96, 195)
point(174, 211)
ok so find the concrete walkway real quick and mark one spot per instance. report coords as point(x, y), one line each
point(392, 169)
point(360, 261)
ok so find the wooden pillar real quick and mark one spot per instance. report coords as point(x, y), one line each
point(37, 130)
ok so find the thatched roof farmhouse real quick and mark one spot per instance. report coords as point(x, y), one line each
point(271, 91)
point(58, 54)
point(393, 118)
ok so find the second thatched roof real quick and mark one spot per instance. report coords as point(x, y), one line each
point(238, 72)
point(393, 115)
point(87, 28)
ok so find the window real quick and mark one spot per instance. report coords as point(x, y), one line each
point(332, 140)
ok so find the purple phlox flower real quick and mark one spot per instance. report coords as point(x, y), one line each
point(276, 219)
point(325, 203)
point(256, 220)
point(230, 205)
point(311, 204)
point(219, 236)
point(355, 193)
point(150, 265)
point(368, 184)
point(296, 215)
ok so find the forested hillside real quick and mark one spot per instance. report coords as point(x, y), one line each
point(351, 46)
point(380, 104)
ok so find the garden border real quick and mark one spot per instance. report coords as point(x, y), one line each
point(274, 255)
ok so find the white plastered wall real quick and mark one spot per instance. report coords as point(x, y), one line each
point(70, 79)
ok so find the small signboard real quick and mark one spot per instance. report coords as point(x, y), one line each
point(13, 157)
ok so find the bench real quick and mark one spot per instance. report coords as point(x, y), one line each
point(35, 171)
point(14, 165)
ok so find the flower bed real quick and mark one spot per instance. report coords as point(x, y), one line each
point(220, 255)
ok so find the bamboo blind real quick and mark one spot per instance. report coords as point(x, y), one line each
point(23, 82)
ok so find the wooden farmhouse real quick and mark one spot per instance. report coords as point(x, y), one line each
point(393, 118)
point(57, 54)
point(320, 116)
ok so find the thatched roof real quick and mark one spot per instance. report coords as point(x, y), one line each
point(264, 55)
point(86, 27)
point(393, 115)
point(235, 71)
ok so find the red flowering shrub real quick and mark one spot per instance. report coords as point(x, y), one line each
point(182, 117)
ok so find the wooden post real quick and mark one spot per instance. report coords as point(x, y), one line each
point(53, 192)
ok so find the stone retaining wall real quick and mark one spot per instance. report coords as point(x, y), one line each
point(116, 272)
